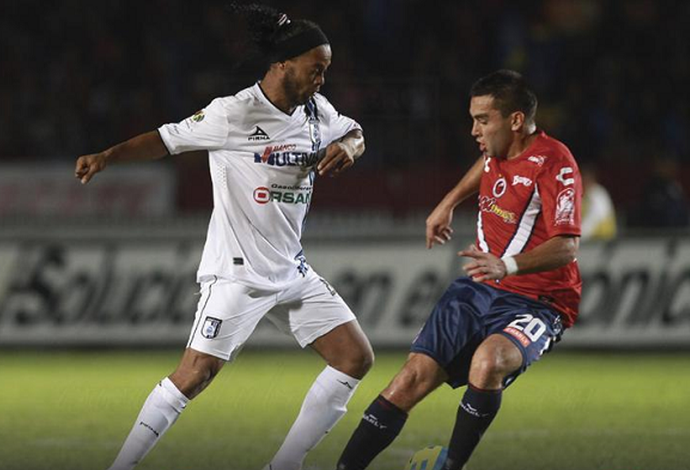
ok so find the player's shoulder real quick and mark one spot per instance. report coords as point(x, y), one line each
point(322, 103)
point(319, 99)
point(551, 151)
point(243, 99)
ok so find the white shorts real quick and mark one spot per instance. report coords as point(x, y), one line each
point(228, 312)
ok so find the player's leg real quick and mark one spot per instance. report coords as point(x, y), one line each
point(346, 349)
point(323, 321)
point(386, 415)
point(225, 317)
point(521, 334)
point(495, 359)
point(441, 352)
point(165, 404)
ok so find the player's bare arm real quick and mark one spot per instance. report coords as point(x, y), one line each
point(438, 229)
point(552, 254)
point(342, 154)
point(148, 146)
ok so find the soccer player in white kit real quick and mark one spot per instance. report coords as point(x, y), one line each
point(265, 145)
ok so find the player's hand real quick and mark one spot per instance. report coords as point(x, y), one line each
point(337, 159)
point(438, 229)
point(484, 266)
point(89, 165)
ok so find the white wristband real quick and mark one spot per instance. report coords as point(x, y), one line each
point(510, 264)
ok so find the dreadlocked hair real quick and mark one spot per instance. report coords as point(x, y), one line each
point(268, 26)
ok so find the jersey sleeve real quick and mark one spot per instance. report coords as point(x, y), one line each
point(338, 125)
point(560, 189)
point(207, 129)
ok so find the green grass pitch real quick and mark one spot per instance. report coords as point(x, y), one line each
point(571, 411)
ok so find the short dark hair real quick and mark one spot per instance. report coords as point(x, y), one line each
point(510, 92)
point(268, 28)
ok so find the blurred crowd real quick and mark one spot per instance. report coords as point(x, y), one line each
point(612, 78)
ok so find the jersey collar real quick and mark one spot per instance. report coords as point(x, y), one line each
point(262, 96)
point(540, 134)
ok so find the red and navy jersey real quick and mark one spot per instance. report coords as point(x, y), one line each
point(525, 201)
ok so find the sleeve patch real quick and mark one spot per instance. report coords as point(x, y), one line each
point(565, 207)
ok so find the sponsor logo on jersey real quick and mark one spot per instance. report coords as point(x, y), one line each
point(274, 157)
point(283, 194)
point(198, 116)
point(517, 179)
point(262, 195)
point(565, 207)
point(562, 176)
point(211, 327)
point(259, 134)
point(273, 149)
point(519, 335)
point(500, 187)
point(488, 204)
point(538, 159)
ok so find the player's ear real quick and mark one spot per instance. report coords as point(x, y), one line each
point(278, 66)
point(517, 120)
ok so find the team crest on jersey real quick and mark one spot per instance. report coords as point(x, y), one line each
point(211, 327)
point(500, 187)
point(565, 207)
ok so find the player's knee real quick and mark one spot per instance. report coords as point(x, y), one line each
point(408, 388)
point(357, 363)
point(191, 380)
point(486, 366)
point(366, 361)
point(492, 366)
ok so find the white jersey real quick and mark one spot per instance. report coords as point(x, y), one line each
point(262, 164)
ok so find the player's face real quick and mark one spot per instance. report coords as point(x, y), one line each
point(491, 130)
point(306, 74)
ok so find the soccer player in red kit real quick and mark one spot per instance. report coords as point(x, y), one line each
point(523, 285)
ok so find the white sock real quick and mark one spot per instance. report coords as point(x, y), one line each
point(160, 411)
point(323, 407)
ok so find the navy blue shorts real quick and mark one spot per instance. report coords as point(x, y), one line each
point(469, 312)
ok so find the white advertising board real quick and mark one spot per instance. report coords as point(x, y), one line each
point(112, 290)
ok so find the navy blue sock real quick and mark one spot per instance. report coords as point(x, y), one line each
point(477, 409)
point(380, 425)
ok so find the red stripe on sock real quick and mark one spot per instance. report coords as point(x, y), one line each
point(483, 390)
